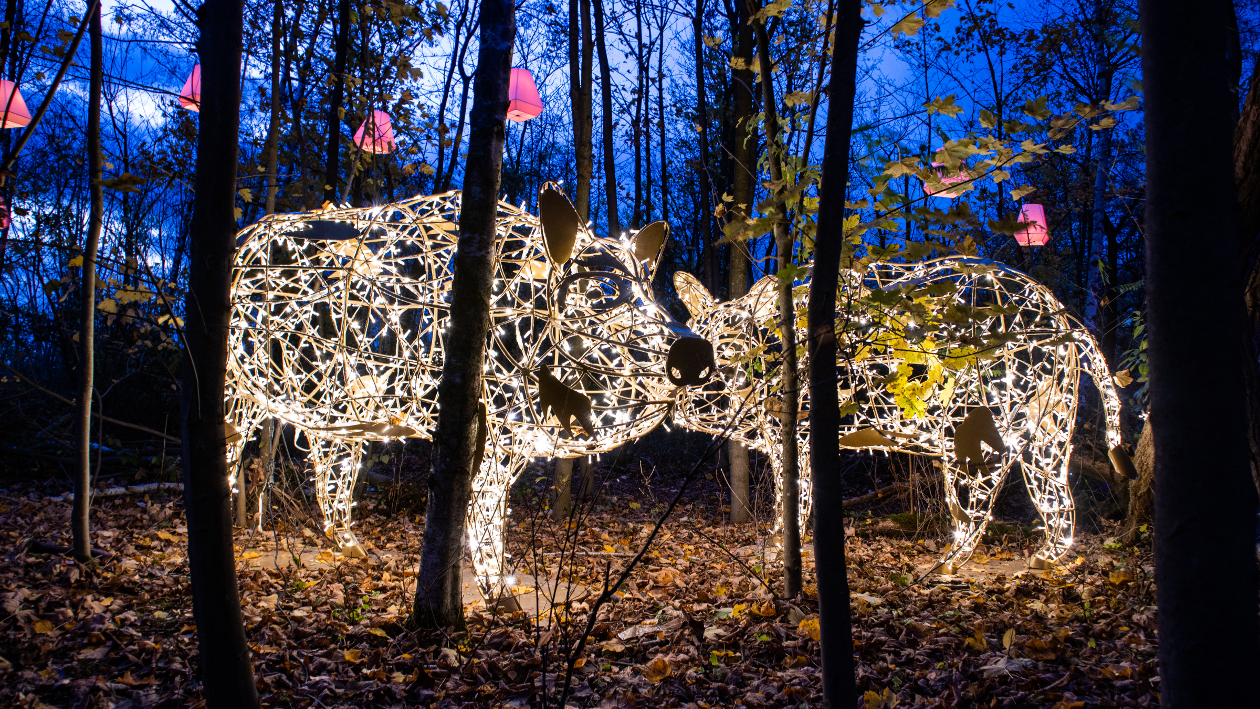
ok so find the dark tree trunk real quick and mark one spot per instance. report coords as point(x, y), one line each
point(80, 519)
point(225, 665)
point(790, 390)
point(341, 48)
point(742, 150)
point(610, 154)
point(660, 120)
point(839, 683)
point(580, 47)
point(273, 130)
point(438, 585)
point(702, 165)
point(1205, 502)
point(1247, 178)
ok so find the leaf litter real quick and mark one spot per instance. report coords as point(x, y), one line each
point(696, 626)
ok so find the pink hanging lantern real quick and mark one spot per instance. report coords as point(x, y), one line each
point(1037, 231)
point(523, 94)
point(381, 139)
point(190, 95)
point(11, 99)
point(962, 177)
point(4, 215)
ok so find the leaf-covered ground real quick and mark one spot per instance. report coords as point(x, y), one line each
point(694, 627)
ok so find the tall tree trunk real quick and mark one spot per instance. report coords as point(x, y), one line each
point(790, 387)
point(80, 519)
point(273, 130)
point(341, 48)
point(1247, 178)
point(743, 163)
point(562, 481)
point(708, 257)
point(610, 153)
point(1205, 502)
point(640, 116)
point(437, 602)
point(442, 127)
point(459, 130)
point(1096, 288)
point(839, 683)
point(580, 47)
point(226, 670)
point(660, 126)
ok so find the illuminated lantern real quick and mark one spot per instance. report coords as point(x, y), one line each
point(190, 95)
point(381, 138)
point(940, 171)
point(525, 102)
point(4, 215)
point(12, 106)
point(1037, 232)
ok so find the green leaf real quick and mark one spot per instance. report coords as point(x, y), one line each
point(1021, 192)
point(1036, 108)
point(987, 119)
point(1129, 104)
point(125, 182)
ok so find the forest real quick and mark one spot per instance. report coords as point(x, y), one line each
point(623, 353)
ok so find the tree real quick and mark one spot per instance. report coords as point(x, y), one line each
point(1205, 503)
point(332, 163)
point(606, 123)
point(80, 518)
point(226, 669)
point(438, 586)
point(836, 632)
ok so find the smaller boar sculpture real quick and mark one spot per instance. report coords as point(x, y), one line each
point(339, 321)
point(980, 417)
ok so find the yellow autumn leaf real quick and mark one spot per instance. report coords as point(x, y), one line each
point(378, 631)
point(810, 627)
point(167, 536)
point(909, 25)
point(352, 655)
point(109, 305)
point(43, 627)
point(657, 670)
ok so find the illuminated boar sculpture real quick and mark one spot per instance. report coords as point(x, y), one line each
point(339, 321)
point(1019, 401)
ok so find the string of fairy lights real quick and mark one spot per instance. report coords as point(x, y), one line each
point(340, 317)
point(1016, 395)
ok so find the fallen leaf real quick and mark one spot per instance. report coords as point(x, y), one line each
point(810, 627)
point(352, 655)
point(43, 627)
point(657, 670)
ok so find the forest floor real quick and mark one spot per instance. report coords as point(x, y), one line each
point(698, 625)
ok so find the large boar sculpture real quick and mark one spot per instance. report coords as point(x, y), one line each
point(340, 317)
point(977, 416)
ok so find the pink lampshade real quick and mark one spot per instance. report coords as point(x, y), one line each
point(4, 215)
point(961, 177)
point(1037, 232)
point(18, 115)
point(523, 94)
point(190, 95)
point(381, 137)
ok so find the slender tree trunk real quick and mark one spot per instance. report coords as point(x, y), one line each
point(790, 388)
point(660, 126)
point(273, 130)
point(742, 153)
point(80, 519)
point(1205, 502)
point(226, 671)
point(839, 682)
point(580, 47)
point(1096, 289)
point(708, 256)
point(438, 586)
point(562, 499)
point(639, 100)
point(459, 130)
point(587, 487)
point(442, 127)
point(610, 153)
point(341, 48)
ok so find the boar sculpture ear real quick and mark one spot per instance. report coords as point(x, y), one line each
point(693, 294)
point(649, 244)
point(560, 223)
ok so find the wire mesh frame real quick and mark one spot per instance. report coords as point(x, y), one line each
point(338, 325)
point(1029, 387)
